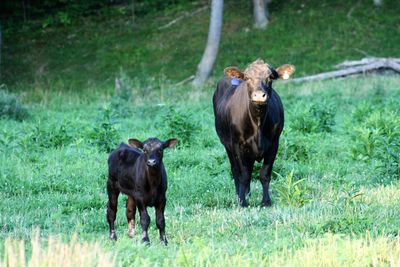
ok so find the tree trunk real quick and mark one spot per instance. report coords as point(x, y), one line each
point(206, 64)
point(378, 2)
point(260, 14)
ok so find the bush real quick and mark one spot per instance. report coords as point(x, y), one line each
point(318, 117)
point(377, 138)
point(105, 135)
point(51, 136)
point(11, 107)
point(179, 125)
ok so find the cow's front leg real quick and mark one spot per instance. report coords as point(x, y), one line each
point(265, 178)
point(130, 215)
point(160, 221)
point(234, 169)
point(265, 174)
point(246, 168)
point(144, 222)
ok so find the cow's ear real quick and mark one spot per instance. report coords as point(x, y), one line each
point(233, 72)
point(170, 143)
point(135, 143)
point(285, 71)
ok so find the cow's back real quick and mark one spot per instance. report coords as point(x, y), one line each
point(122, 158)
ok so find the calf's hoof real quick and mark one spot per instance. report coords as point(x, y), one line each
point(164, 240)
point(113, 236)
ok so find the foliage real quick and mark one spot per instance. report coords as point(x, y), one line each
point(377, 138)
point(49, 136)
point(317, 117)
point(179, 124)
point(290, 192)
point(105, 134)
point(11, 107)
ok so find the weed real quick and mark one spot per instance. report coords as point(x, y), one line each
point(179, 124)
point(105, 135)
point(11, 107)
point(290, 192)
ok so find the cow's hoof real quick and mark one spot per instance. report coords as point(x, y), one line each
point(266, 204)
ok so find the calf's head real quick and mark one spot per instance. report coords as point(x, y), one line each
point(258, 77)
point(153, 149)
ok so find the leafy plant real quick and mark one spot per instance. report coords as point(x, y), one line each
point(180, 125)
point(53, 136)
point(291, 192)
point(11, 106)
point(376, 139)
point(105, 135)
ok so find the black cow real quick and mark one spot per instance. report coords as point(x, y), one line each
point(141, 176)
point(249, 120)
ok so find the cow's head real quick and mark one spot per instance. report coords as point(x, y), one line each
point(258, 77)
point(153, 149)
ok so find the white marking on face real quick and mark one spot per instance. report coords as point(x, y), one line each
point(285, 75)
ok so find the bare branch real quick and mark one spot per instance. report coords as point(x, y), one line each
point(186, 14)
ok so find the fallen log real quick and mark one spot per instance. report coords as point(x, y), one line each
point(355, 67)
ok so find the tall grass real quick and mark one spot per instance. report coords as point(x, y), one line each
point(53, 252)
point(336, 250)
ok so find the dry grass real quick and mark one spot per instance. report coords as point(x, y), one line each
point(54, 253)
point(335, 250)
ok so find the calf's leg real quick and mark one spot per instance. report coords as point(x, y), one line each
point(160, 221)
point(113, 193)
point(144, 222)
point(130, 215)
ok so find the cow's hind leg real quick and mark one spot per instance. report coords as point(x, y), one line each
point(265, 174)
point(130, 215)
point(113, 193)
point(160, 221)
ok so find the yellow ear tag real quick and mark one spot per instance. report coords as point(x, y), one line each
point(285, 75)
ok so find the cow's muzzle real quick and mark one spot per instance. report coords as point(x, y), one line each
point(259, 97)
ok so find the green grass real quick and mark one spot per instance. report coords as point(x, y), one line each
point(89, 53)
point(328, 190)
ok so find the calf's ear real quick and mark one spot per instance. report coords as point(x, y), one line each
point(121, 154)
point(285, 71)
point(170, 143)
point(135, 143)
point(233, 72)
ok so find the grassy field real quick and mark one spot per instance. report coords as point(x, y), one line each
point(335, 191)
point(336, 181)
